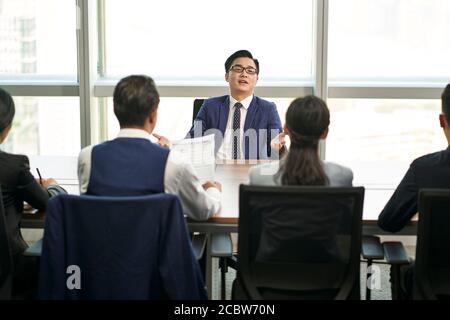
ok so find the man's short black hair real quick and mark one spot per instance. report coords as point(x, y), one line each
point(134, 98)
point(446, 103)
point(7, 109)
point(240, 54)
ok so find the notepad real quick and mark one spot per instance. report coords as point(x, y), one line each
point(200, 153)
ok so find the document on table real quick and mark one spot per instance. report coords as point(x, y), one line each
point(200, 153)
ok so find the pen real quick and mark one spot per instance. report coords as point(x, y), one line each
point(40, 177)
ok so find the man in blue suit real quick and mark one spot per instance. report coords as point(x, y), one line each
point(243, 124)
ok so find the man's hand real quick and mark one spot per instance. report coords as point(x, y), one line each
point(278, 142)
point(162, 141)
point(212, 184)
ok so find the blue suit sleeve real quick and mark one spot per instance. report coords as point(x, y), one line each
point(402, 206)
point(274, 127)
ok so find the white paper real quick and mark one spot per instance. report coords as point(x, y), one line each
point(199, 152)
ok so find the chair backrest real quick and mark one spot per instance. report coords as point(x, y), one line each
point(197, 105)
point(118, 248)
point(6, 264)
point(432, 264)
point(299, 242)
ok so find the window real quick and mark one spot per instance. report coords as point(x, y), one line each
point(379, 138)
point(389, 40)
point(38, 37)
point(45, 126)
point(174, 118)
point(181, 40)
point(384, 134)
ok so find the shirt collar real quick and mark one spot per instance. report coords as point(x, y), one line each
point(245, 103)
point(133, 133)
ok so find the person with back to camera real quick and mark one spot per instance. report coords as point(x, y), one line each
point(307, 121)
point(19, 185)
point(429, 171)
point(132, 165)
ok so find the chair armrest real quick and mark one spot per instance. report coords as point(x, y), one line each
point(221, 245)
point(395, 253)
point(371, 248)
point(198, 245)
point(34, 250)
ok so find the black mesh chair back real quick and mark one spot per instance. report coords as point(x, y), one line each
point(6, 265)
point(432, 266)
point(299, 242)
point(197, 105)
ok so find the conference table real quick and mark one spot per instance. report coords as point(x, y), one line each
point(231, 176)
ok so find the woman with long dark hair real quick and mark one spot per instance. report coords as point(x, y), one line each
point(307, 121)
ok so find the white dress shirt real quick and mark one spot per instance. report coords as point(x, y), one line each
point(179, 179)
point(225, 151)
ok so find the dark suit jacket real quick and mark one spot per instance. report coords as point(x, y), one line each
point(18, 185)
point(262, 117)
point(125, 248)
point(429, 171)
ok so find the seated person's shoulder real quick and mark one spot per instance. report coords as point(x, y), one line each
point(85, 151)
point(264, 174)
point(15, 160)
point(430, 159)
point(262, 103)
point(213, 101)
point(338, 175)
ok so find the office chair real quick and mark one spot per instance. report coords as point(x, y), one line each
point(299, 242)
point(123, 248)
point(197, 106)
point(371, 250)
point(6, 263)
point(432, 261)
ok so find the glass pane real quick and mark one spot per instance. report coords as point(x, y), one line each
point(190, 40)
point(378, 139)
point(389, 40)
point(174, 118)
point(383, 130)
point(45, 126)
point(38, 38)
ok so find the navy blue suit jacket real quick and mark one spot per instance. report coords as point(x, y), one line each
point(262, 117)
point(429, 171)
point(125, 248)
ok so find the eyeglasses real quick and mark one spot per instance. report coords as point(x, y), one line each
point(239, 69)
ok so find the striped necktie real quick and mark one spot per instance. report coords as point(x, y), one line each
point(236, 133)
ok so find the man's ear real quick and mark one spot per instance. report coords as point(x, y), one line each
point(324, 134)
point(4, 133)
point(152, 117)
point(226, 76)
point(442, 121)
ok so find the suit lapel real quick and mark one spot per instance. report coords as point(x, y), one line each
point(251, 112)
point(224, 110)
